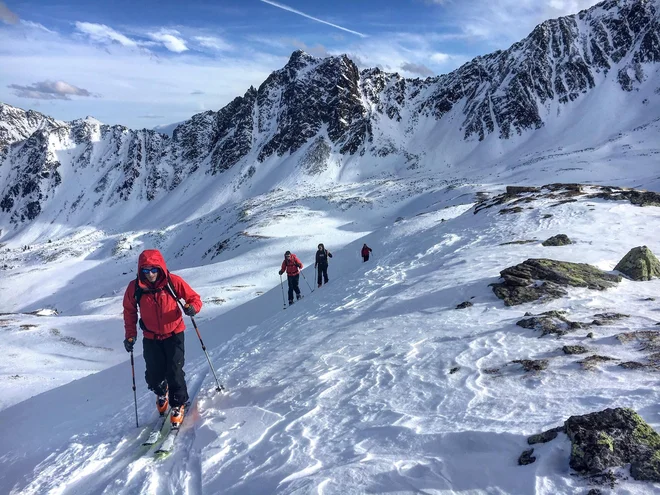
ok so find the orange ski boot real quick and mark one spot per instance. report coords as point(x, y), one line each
point(177, 416)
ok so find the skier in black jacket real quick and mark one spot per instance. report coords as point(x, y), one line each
point(321, 264)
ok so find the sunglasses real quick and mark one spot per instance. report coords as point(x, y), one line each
point(150, 270)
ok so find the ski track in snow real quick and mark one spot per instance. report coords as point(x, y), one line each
point(373, 383)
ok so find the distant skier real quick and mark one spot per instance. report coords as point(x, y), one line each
point(365, 252)
point(321, 264)
point(292, 266)
point(155, 292)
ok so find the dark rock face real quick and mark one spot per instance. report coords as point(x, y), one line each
point(614, 437)
point(558, 240)
point(334, 109)
point(639, 264)
point(464, 305)
point(591, 363)
point(532, 364)
point(520, 281)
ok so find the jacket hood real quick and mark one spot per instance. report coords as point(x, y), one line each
point(152, 257)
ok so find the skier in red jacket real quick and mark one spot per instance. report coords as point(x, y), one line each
point(292, 266)
point(153, 293)
point(366, 250)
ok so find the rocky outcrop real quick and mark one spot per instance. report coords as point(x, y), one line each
point(558, 240)
point(608, 439)
point(612, 438)
point(639, 264)
point(546, 279)
point(550, 322)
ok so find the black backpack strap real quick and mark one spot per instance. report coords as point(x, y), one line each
point(138, 291)
point(170, 289)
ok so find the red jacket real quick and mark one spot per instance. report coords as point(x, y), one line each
point(159, 311)
point(365, 250)
point(291, 266)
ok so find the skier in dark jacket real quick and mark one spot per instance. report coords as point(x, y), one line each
point(161, 321)
point(321, 264)
point(365, 252)
point(292, 266)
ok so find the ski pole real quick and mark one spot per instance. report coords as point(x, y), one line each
point(283, 300)
point(305, 279)
point(219, 387)
point(137, 425)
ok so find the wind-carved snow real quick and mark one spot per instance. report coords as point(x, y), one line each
point(373, 383)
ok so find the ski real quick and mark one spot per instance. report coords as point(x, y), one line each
point(167, 446)
point(157, 429)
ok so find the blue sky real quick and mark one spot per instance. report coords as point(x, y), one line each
point(149, 62)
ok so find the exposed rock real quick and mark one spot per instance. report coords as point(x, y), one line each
point(639, 198)
point(590, 363)
point(464, 305)
point(558, 240)
point(515, 190)
point(590, 335)
point(521, 281)
point(454, 370)
point(649, 340)
point(611, 438)
point(532, 364)
point(633, 365)
point(574, 349)
point(531, 241)
point(639, 264)
point(546, 436)
point(547, 215)
point(550, 322)
point(595, 491)
point(606, 318)
point(515, 209)
point(526, 457)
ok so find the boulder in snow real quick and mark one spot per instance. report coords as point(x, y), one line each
point(639, 264)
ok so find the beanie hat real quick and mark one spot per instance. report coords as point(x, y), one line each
point(287, 253)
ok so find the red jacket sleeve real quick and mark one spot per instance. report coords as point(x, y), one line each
point(296, 260)
point(130, 312)
point(283, 266)
point(185, 292)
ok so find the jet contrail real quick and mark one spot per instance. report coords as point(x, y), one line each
point(291, 9)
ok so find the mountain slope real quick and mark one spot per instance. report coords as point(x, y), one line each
point(575, 82)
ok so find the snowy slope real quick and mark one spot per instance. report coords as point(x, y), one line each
point(351, 390)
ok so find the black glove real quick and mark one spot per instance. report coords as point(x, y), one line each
point(189, 310)
point(281, 272)
point(298, 265)
point(128, 344)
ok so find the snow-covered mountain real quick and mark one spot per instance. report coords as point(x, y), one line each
point(576, 82)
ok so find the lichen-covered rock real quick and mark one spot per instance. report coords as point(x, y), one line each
point(614, 437)
point(558, 240)
point(546, 436)
point(526, 457)
point(590, 363)
point(550, 322)
point(521, 282)
point(639, 264)
point(574, 349)
point(532, 364)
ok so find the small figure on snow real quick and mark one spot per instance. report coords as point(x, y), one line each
point(365, 252)
point(321, 264)
point(292, 266)
point(156, 292)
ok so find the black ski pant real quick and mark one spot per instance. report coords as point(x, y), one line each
point(366, 257)
point(293, 285)
point(164, 360)
point(322, 271)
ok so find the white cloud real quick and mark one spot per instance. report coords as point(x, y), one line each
point(103, 34)
point(500, 22)
point(170, 39)
point(294, 11)
point(417, 69)
point(48, 90)
point(132, 82)
point(440, 58)
point(214, 43)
